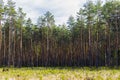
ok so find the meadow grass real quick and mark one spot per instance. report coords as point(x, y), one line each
point(60, 73)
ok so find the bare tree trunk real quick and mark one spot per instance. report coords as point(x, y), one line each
point(0, 35)
point(20, 46)
point(4, 49)
point(117, 42)
point(31, 46)
point(10, 35)
point(96, 43)
point(47, 46)
point(107, 46)
point(89, 50)
point(13, 56)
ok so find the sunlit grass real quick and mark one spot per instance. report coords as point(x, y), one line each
point(59, 73)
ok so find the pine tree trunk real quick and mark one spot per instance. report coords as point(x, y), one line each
point(0, 35)
point(9, 51)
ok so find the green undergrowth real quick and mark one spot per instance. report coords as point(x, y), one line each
point(60, 73)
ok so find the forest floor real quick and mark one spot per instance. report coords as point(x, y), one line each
point(59, 73)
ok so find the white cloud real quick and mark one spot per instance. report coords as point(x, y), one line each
point(61, 9)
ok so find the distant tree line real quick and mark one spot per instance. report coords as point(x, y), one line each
point(90, 39)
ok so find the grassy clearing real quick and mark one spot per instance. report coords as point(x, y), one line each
point(67, 73)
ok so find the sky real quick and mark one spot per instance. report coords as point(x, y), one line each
point(61, 9)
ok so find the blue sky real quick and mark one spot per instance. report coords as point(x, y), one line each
point(61, 9)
